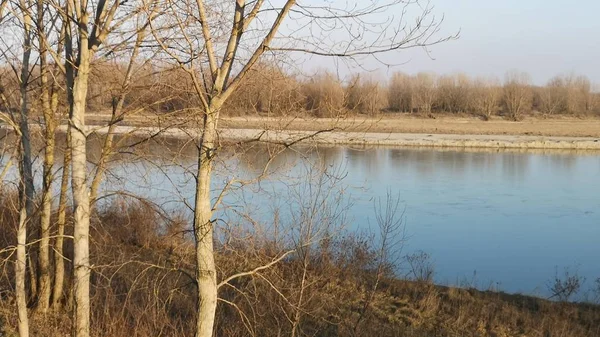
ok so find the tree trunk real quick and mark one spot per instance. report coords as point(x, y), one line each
point(46, 213)
point(81, 202)
point(46, 209)
point(107, 148)
point(206, 274)
point(20, 271)
point(26, 189)
point(59, 262)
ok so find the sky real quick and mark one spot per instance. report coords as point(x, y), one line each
point(542, 38)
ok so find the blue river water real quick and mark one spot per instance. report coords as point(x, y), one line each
point(490, 219)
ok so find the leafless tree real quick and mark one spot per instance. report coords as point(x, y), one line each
point(425, 92)
point(553, 96)
point(486, 97)
point(21, 66)
point(420, 266)
point(518, 95)
point(257, 28)
point(453, 93)
point(325, 96)
point(401, 93)
point(390, 222)
point(365, 94)
point(90, 24)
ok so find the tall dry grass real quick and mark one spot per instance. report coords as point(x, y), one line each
point(142, 285)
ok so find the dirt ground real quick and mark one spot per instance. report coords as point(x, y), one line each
point(396, 123)
point(560, 127)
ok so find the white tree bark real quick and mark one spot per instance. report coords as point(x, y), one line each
point(206, 274)
point(21, 272)
point(27, 188)
point(81, 201)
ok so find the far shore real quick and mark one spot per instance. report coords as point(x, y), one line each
point(335, 137)
point(402, 130)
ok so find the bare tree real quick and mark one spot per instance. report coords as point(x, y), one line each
point(518, 95)
point(486, 97)
point(324, 95)
point(216, 79)
point(553, 96)
point(401, 93)
point(425, 92)
point(421, 268)
point(59, 259)
point(118, 113)
point(22, 72)
point(453, 93)
point(365, 94)
point(389, 218)
point(578, 99)
point(90, 35)
point(49, 101)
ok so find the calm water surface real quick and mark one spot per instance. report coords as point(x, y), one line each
point(490, 218)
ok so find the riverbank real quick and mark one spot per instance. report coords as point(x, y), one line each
point(388, 130)
point(334, 137)
point(557, 126)
point(445, 124)
point(401, 131)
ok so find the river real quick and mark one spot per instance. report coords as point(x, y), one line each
point(507, 220)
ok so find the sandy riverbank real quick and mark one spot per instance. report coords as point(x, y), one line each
point(401, 130)
point(378, 138)
point(559, 126)
point(402, 123)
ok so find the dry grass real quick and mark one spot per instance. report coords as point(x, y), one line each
point(142, 287)
point(406, 123)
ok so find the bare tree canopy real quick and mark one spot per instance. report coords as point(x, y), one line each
point(215, 45)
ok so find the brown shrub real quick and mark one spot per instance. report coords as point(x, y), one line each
point(324, 95)
point(365, 95)
point(401, 93)
point(518, 95)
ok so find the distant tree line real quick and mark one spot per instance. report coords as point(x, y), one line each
point(269, 90)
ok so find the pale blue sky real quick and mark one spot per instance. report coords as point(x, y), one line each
point(543, 38)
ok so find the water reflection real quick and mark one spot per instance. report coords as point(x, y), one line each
point(512, 216)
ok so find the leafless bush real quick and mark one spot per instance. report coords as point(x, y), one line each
point(518, 94)
point(425, 92)
point(420, 266)
point(564, 286)
point(365, 94)
point(401, 93)
point(267, 89)
point(324, 95)
point(486, 97)
point(596, 291)
point(454, 93)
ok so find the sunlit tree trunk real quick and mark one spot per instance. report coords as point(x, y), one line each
point(81, 201)
point(206, 274)
point(21, 272)
point(26, 188)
